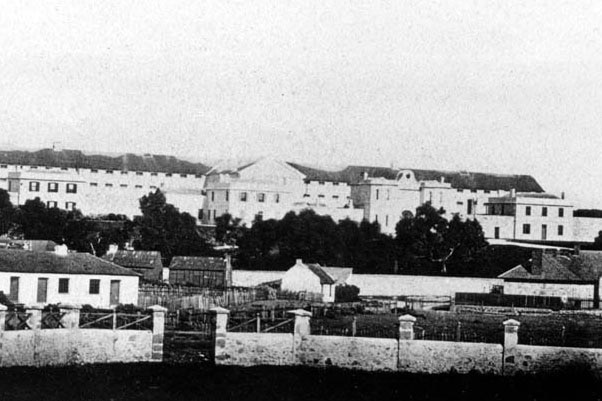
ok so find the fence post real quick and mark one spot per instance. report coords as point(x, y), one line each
point(35, 320)
point(510, 342)
point(158, 332)
point(71, 318)
point(459, 331)
point(302, 325)
point(258, 322)
point(354, 326)
point(3, 310)
point(221, 330)
point(406, 327)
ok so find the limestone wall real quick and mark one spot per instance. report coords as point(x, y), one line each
point(248, 349)
point(538, 359)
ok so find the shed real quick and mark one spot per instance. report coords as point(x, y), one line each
point(146, 263)
point(200, 271)
point(313, 278)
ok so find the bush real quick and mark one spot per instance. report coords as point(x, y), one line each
point(346, 293)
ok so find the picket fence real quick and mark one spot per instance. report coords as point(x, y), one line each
point(175, 298)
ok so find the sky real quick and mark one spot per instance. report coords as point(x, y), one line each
point(496, 86)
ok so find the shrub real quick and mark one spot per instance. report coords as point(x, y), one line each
point(346, 293)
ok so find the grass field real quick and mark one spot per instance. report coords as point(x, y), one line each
point(575, 330)
point(207, 383)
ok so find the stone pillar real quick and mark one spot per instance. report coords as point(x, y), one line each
point(510, 342)
point(302, 326)
point(158, 331)
point(221, 325)
point(71, 318)
point(406, 327)
point(3, 310)
point(35, 320)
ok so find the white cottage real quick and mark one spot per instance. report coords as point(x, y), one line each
point(39, 278)
point(312, 277)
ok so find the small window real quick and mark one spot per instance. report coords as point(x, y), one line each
point(528, 211)
point(168, 174)
point(153, 187)
point(474, 191)
point(320, 195)
point(109, 172)
point(94, 171)
point(335, 196)
point(71, 188)
point(94, 286)
point(34, 186)
point(183, 175)
point(123, 185)
point(561, 212)
point(108, 184)
point(460, 190)
point(34, 167)
point(387, 220)
point(3, 166)
point(51, 204)
point(124, 173)
point(53, 187)
point(154, 174)
point(139, 173)
point(227, 195)
point(335, 183)
point(306, 195)
point(487, 191)
point(320, 182)
point(138, 186)
point(93, 184)
point(63, 285)
point(261, 197)
point(544, 211)
point(214, 214)
point(277, 198)
point(201, 214)
point(212, 196)
point(377, 194)
point(526, 228)
point(243, 196)
point(70, 205)
point(560, 230)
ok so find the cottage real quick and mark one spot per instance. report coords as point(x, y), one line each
point(200, 271)
point(147, 263)
point(575, 278)
point(39, 278)
point(311, 277)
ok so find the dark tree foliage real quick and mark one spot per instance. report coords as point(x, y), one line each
point(598, 241)
point(592, 213)
point(7, 212)
point(346, 293)
point(228, 230)
point(94, 235)
point(163, 228)
point(37, 222)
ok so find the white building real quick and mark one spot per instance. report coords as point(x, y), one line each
point(313, 278)
point(40, 278)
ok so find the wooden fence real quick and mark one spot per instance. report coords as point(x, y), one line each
point(176, 298)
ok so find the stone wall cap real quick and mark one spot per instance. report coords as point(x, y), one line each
point(157, 308)
point(34, 307)
point(299, 312)
point(407, 318)
point(511, 322)
point(219, 310)
point(69, 306)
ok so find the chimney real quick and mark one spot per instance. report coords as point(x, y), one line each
point(299, 261)
point(61, 250)
point(536, 262)
point(577, 250)
point(562, 195)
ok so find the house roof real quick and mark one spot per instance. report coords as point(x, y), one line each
point(339, 274)
point(77, 159)
point(231, 166)
point(315, 174)
point(457, 179)
point(587, 266)
point(319, 271)
point(19, 261)
point(197, 263)
point(136, 259)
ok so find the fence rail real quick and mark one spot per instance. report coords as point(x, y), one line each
point(115, 321)
point(175, 298)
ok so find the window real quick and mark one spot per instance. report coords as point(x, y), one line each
point(561, 212)
point(526, 228)
point(377, 194)
point(387, 220)
point(63, 285)
point(153, 187)
point(227, 195)
point(261, 197)
point(277, 198)
point(3, 166)
point(321, 196)
point(124, 173)
point(123, 185)
point(109, 171)
point(544, 211)
point(335, 196)
point(153, 174)
point(34, 186)
point(62, 168)
point(487, 191)
point(474, 191)
point(201, 214)
point(53, 187)
point(214, 214)
point(138, 186)
point(560, 230)
point(168, 174)
point(34, 167)
point(306, 195)
point(139, 173)
point(528, 211)
point(71, 188)
point(183, 175)
point(259, 216)
point(376, 218)
point(94, 171)
point(460, 190)
point(212, 196)
point(108, 185)
point(50, 204)
point(94, 286)
point(320, 182)
point(335, 183)
point(389, 194)
point(243, 196)
point(70, 205)
point(13, 293)
point(93, 184)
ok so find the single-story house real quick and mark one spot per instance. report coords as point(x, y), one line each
point(573, 277)
point(147, 263)
point(200, 271)
point(39, 278)
point(313, 278)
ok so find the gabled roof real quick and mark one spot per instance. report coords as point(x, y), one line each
point(19, 261)
point(339, 274)
point(127, 162)
point(554, 268)
point(588, 264)
point(322, 275)
point(197, 263)
point(135, 259)
point(231, 166)
point(457, 179)
point(314, 174)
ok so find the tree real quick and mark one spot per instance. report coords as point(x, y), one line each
point(228, 230)
point(428, 240)
point(7, 212)
point(163, 228)
point(94, 235)
point(37, 222)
